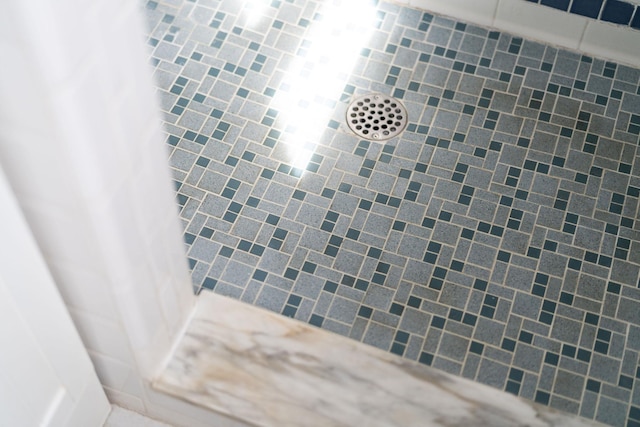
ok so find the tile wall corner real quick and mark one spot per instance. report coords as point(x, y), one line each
point(566, 29)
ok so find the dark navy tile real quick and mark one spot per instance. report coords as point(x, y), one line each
point(618, 12)
point(556, 4)
point(635, 23)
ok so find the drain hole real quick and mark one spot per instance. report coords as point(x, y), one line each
point(376, 116)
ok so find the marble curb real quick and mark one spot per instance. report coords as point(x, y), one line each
point(269, 370)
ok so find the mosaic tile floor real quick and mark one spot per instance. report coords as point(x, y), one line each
point(497, 238)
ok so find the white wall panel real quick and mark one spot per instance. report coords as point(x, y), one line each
point(81, 142)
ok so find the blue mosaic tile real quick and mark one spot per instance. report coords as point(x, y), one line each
point(496, 238)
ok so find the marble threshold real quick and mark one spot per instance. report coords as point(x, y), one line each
point(269, 370)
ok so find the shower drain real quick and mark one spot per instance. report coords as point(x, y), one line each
point(376, 117)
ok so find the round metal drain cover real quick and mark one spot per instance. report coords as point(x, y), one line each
point(376, 117)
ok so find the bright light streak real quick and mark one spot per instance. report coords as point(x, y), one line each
point(319, 77)
point(254, 12)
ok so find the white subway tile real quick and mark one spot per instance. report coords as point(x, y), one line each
point(171, 309)
point(103, 336)
point(125, 400)
point(117, 376)
point(72, 232)
point(25, 154)
point(476, 11)
point(540, 23)
point(113, 373)
point(20, 93)
point(95, 151)
point(95, 298)
point(145, 325)
point(159, 201)
point(42, 29)
point(612, 41)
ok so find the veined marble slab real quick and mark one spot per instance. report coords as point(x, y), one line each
point(268, 370)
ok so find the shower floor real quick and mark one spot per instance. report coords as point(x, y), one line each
point(497, 238)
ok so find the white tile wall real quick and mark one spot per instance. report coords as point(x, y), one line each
point(81, 144)
point(542, 23)
point(612, 41)
point(120, 417)
point(477, 11)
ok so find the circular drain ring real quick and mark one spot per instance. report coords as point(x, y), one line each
point(376, 117)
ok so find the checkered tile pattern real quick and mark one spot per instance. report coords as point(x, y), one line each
point(497, 238)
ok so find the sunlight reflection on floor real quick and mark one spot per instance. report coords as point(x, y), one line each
point(318, 76)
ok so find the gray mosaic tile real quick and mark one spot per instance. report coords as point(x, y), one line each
point(499, 232)
point(379, 336)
